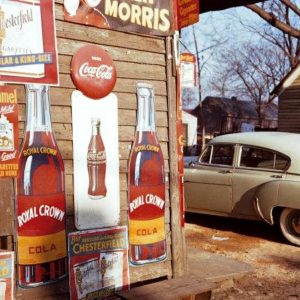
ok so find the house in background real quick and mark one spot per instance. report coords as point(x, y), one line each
point(190, 124)
point(288, 92)
point(228, 115)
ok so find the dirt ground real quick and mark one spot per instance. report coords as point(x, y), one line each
point(276, 263)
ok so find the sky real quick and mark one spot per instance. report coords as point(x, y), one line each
point(214, 27)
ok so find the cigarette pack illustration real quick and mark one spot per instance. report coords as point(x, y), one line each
point(98, 263)
point(6, 275)
point(27, 42)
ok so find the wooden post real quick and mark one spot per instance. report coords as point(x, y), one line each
point(178, 241)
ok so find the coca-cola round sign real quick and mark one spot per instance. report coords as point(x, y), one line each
point(93, 71)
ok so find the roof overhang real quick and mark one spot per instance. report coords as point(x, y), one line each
point(213, 5)
point(287, 81)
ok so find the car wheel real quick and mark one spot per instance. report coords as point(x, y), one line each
point(290, 225)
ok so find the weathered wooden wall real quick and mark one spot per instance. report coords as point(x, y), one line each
point(289, 108)
point(137, 58)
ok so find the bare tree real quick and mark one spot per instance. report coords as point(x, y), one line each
point(188, 98)
point(284, 32)
point(249, 72)
point(277, 13)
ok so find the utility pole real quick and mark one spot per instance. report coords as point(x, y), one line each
point(201, 114)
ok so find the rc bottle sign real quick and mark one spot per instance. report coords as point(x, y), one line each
point(41, 208)
point(147, 236)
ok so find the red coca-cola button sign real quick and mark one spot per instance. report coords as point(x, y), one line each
point(93, 71)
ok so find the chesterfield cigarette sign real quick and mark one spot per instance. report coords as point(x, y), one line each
point(28, 42)
point(148, 16)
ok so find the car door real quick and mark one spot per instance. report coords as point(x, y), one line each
point(255, 166)
point(208, 183)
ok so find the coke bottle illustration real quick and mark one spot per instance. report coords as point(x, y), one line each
point(96, 163)
point(146, 211)
point(41, 208)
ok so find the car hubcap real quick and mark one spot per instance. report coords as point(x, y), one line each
point(294, 221)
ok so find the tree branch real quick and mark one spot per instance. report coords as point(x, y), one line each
point(271, 19)
point(292, 6)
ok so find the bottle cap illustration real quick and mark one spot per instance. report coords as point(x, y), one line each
point(93, 72)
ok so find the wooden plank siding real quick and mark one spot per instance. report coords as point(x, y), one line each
point(289, 108)
point(137, 58)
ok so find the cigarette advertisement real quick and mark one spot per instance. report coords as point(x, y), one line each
point(27, 42)
point(187, 13)
point(153, 17)
point(98, 263)
point(6, 275)
point(8, 132)
point(96, 161)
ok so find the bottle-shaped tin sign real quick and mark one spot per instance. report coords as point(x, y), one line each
point(96, 163)
point(41, 207)
point(146, 211)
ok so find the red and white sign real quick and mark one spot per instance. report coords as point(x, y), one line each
point(96, 182)
point(188, 70)
point(93, 71)
point(179, 129)
point(28, 42)
point(98, 263)
point(8, 132)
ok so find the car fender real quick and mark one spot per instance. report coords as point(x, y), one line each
point(277, 193)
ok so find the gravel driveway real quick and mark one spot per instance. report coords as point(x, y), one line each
point(276, 263)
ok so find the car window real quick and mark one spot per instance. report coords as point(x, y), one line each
point(252, 157)
point(222, 155)
point(205, 157)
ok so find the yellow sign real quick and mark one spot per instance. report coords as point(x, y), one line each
point(143, 232)
point(40, 249)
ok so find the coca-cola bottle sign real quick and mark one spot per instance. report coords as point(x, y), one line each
point(93, 71)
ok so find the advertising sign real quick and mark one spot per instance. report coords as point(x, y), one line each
point(187, 13)
point(93, 71)
point(6, 275)
point(179, 131)
point(188, 70)
point(40, 198)
point(28, 42)
point(147, 187)
point(148, 16)
point(98, 263)
point(8, 132)
point(96, 161)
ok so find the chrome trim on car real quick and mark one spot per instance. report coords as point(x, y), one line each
point(257, 209)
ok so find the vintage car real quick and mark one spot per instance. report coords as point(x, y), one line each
point(254, 175)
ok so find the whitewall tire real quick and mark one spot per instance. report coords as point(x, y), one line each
point(290, 225)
